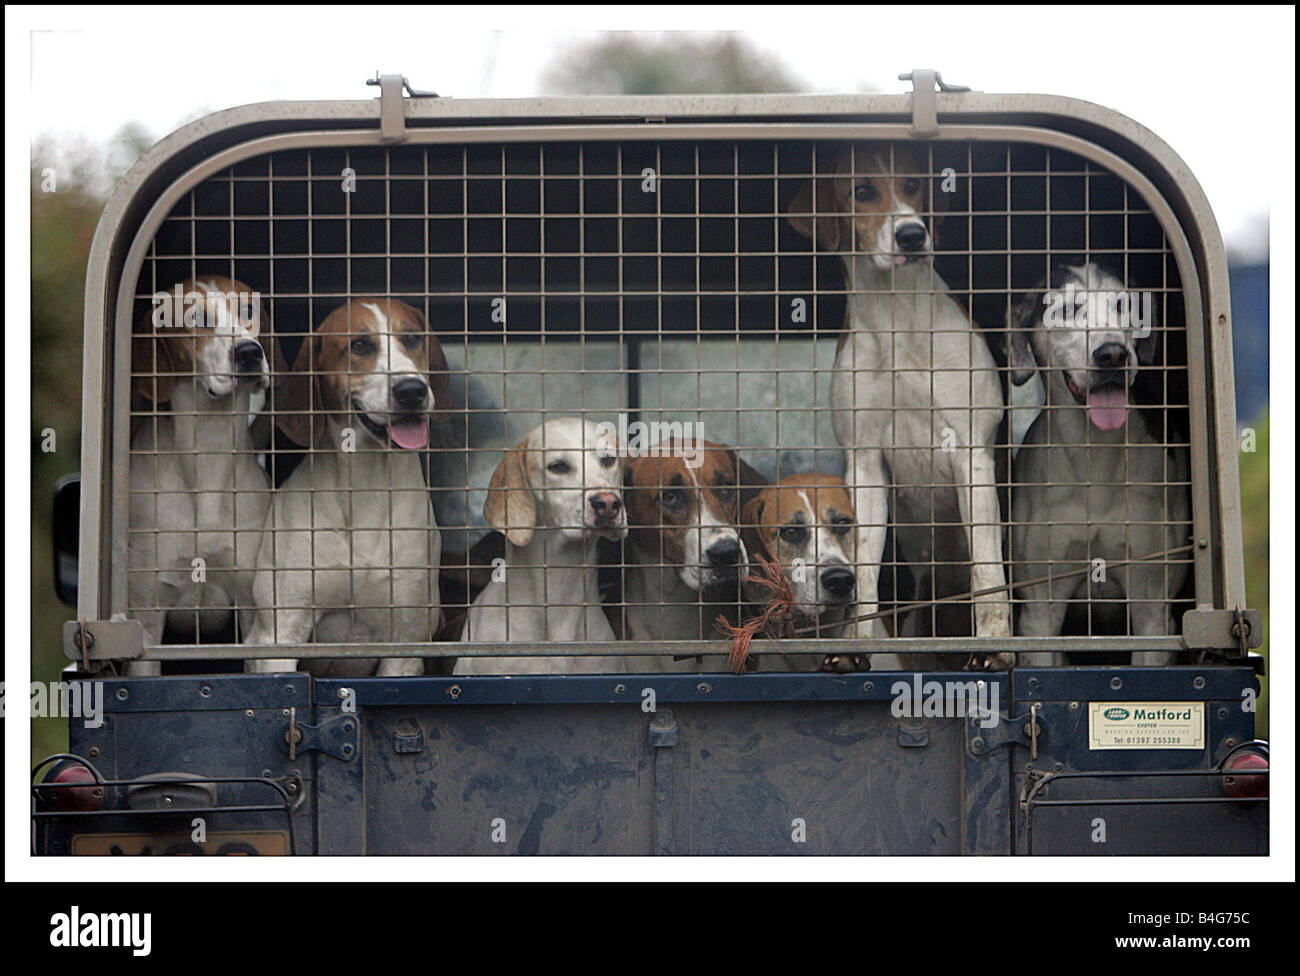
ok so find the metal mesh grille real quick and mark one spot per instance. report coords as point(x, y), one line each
point(660, 283)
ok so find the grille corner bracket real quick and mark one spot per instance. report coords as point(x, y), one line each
point(926, 83)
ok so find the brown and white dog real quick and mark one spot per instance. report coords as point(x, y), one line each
point(916, 395)
point(805, 524)
point(553, 496)
point(686, 560)
point(351, 550)
point(198, 497)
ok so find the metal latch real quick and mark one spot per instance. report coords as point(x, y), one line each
point(102, 640)
point(339, 737)
point(1023, 730)
point(392, 111)
point(925, 106)
point(1235, 631)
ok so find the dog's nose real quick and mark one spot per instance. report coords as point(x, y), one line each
point(910, 236)
point(1110, 355)
point(724, 552)
point(410, 393)
point(606, 504)
point(838, 580)
point(248, 357)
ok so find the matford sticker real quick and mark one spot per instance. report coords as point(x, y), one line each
point(1146, 725)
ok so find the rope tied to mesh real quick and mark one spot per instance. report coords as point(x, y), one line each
point(776, 620)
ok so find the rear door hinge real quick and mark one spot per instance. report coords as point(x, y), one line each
point(392, 108)
point(1023, 730)
point(339, 737)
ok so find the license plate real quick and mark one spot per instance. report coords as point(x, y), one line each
point(243, 843)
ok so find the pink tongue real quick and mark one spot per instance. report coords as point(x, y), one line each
point(410, 434)
point(1108, 408)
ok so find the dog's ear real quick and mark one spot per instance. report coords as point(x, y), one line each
point(297, 401)
point(750, 482)
point(510, 506)
point(1147, 347)
point(751, 528)
point(153, 368)
point(814, 214)
point(1148, 344)
point(942, 190)
point(1021, 322)
point(271, 348)
point(439, 370)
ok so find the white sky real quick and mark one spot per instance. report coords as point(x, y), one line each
point(1213, 82)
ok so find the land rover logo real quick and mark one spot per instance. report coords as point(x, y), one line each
point(1116, 714)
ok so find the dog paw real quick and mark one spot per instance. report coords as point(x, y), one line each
point(399, 667)
point(846, 663)
point(271, 665)
point(991, 662)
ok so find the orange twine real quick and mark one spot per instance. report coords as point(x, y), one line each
point(776, 620)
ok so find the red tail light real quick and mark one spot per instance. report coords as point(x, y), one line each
point(1237, 781)
point(89, 797)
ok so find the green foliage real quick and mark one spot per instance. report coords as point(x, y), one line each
point(1254, 531)
point(69, 185)
point(670, 64)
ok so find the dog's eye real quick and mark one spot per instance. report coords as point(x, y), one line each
point(911, 185)
point(794, 534)
point(840, 526)
point(608, 461)
point(865, 193)
point(558, 467)
point(411, 340)
point(672, 497)
point(724, 492)
point(361, 347)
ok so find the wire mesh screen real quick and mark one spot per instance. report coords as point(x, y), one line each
point(658, 391)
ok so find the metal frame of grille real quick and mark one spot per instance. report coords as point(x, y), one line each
point(647, 271)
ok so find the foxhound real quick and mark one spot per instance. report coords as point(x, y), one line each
point(805, 523)
point(198, 497)
point(351, 550)
point(1092, 485)
point(915, 393)
point(686, 562)
point(554, 495)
